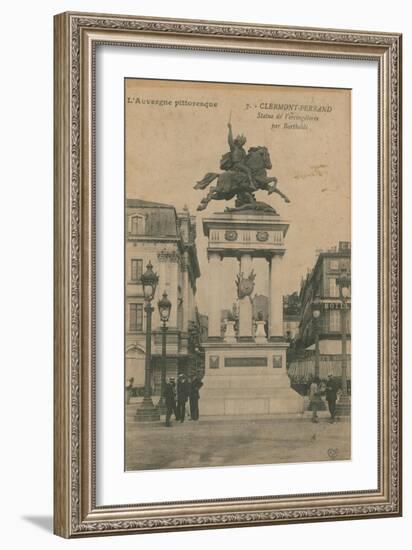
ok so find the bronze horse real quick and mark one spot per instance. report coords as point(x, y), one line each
point(236, 184)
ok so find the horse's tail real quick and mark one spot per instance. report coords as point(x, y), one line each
point(203, 183)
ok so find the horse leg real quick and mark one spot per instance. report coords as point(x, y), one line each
point(205, 201)
point(284, 197)
point(273, 189)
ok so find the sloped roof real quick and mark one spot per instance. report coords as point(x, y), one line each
point(160, 219)
point(139, 203)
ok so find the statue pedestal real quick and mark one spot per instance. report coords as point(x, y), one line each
point(260, 336)
point(230, 335)
point(246, 375)
point(247, 378)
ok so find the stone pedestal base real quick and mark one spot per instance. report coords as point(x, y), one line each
point(147, 412)
point(343, 408)
point(247, 379)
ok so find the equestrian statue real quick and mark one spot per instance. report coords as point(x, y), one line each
point(243, 174)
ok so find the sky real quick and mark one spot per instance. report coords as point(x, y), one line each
point(177, 131)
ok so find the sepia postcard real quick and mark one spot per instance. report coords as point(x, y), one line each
point(204, 213)
point(237, 274)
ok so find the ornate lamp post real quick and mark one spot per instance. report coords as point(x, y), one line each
point(344, 284)
point(316, 315)
point(147, 412)
point(164, 305)
point(196, 356)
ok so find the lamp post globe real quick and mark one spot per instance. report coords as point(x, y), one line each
point(149, 281)
point(344, 284)
point(164, 305)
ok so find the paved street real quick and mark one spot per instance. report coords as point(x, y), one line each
point(224, 441)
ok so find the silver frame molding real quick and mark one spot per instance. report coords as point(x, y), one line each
point(76, 37)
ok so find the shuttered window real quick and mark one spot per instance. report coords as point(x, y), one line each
point(334, 319)
point(136, 269)
point(137, 225)
point(136, 317)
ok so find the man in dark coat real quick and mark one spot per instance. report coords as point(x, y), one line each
point(129, 389)
point(170, 400)
point(331, 396)
point(194, 397)
point(182, 396)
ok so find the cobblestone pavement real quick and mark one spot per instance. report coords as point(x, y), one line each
point(226, 441)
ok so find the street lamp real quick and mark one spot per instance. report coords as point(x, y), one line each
point(147, 412)
point(164, 305)
point(149, 281)
point(316, 315)
point(196, 355)
point(344, 284)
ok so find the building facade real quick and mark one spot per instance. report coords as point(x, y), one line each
point(157, 233)
point(320, 289)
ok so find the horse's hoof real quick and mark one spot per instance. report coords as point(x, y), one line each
point(287, 200)
point(201, 207)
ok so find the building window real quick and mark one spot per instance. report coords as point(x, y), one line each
point(333, 288)
point(348, 322)
point(136, 270)
point(136, 317)
point(344, 246)
point(137, 225)
point(334, 265)
point(345, 264)
point(334, 320)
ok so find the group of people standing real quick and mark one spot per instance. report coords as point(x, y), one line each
point(178, 394)
point(331, 390)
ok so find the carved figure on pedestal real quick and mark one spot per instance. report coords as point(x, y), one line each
point(245, 285)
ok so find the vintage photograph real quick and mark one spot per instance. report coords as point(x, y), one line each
point(237, 263)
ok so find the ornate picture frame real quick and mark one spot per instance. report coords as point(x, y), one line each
point(76, 37)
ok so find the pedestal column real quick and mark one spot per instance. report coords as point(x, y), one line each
point(260, 336)
point(214, 295)
point(245, 304)
point(275, 299)
point(230, 334)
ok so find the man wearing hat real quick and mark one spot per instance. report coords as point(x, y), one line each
point(170, 400)
point(331, 396)
point(182, 396)
point(194, 397)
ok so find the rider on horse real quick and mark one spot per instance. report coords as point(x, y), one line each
point(235, 159)
point(243, 174)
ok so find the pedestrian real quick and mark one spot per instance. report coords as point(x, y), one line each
point(194, 397)
point(182, 396)
point(170, 400)
point(314, 398)
point(331, 396)
point(129, 389)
